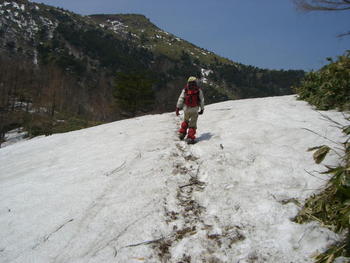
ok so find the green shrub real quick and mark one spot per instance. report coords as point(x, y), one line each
point(328, 88)
point(37, 124)
point(72, 124)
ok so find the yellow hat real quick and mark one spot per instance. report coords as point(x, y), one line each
point(190, 79)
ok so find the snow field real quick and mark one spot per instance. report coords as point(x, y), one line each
point(259, 166)
point(104, 178)
point(130, 191)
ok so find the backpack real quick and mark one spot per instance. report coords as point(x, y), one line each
point(192, 96)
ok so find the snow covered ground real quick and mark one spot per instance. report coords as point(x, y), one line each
point(14, 136)
point(130, 191)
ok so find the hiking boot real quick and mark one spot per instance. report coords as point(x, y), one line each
point(190, 141)
point(191, 134)
point(182, 136)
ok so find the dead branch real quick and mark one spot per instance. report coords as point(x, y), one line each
point(145, 242)
point(46, 238)
point(322, 5)
point(118, 169)
point(186, 185)
point(115, 239)
point(60, 227)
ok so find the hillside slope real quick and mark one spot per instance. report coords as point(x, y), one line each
point(58, 69)
point(129, 191)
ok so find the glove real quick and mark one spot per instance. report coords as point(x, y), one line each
point(177, 112)
point(201, 112)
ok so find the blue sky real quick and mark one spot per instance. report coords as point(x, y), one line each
point(265, 33)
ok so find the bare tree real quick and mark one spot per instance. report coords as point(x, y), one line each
point(323, 5)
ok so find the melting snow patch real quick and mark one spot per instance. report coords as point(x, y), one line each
point(206, 72)
point(117, 25)
point(14, 136)
point(35, 58)
point(15, 5)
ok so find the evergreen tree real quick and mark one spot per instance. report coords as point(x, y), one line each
point(133, 92)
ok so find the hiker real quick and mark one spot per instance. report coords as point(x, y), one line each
point(190, 100)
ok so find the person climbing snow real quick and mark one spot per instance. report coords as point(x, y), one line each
point(190, 100)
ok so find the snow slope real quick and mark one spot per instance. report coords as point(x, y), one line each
point(130, 191)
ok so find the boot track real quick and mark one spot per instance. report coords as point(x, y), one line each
point(185, 216)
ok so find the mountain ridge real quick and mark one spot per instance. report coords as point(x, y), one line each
point(67, 64)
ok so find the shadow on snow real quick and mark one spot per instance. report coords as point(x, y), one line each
point(205, 136)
